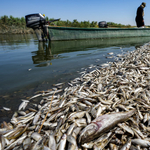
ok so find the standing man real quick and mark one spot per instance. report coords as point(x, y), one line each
point(139, 15)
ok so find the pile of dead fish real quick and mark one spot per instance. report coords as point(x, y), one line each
point(107, 108)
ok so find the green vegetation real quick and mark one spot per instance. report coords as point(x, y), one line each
point(13, 25)
point(111, 24)
point(18, 25)
point(12, 21)
point(74, 23)
point(86, 24)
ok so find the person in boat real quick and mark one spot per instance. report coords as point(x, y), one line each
point(139, 15)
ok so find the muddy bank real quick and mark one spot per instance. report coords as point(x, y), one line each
point(4, 29)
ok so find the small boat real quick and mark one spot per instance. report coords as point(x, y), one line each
point(43, 31)
point(69, 33)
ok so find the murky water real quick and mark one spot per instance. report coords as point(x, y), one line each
point(28, 66)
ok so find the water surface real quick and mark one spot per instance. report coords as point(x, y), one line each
point(28, 66)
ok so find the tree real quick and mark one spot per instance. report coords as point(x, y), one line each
point(4, 19)
point(85, 24)
point(46, 18)
point(93, 24)
point(23, 22)
point(75, 23)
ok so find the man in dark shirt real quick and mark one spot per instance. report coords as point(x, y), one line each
point(139, 15)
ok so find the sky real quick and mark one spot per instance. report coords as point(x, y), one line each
point(117, 11)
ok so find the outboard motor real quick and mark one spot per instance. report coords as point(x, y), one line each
point(102, 24)
point(39, 24)
point(35, 20)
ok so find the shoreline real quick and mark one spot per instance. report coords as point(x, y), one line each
point(118, 86)
point(4, 29)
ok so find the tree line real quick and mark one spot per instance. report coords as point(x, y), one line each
point(15, 21)
point(12, 21)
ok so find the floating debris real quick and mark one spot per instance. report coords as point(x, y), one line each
point(107, 108)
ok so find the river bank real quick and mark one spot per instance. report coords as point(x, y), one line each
point(5, 29)
point(91, 105)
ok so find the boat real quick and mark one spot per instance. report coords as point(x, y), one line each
point(44, 31)
point(70, 33)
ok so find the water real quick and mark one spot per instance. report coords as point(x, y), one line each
point(28, 66)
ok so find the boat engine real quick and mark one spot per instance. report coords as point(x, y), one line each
point(35, 20)
point(102, 24)
point(39, 24)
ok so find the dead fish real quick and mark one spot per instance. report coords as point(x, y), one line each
point(101, 142)
point(71, 139)
point(113, 146)
point(88, 117)
point(2, 142)
point(5, 108)
point(88, 145)
point(146, 117)
point(63, 142)
point(111, 53)
point(138, 90)
point(23, 104)
point(52, 142)
point(35, 96)
point(27, 143)
point(58, 84)
point(126, 128)
point(80, 122)
point(39, 144)
point(36, 136)
point(105, 65)
point(138, 133)
point(144, 68)
point(76, 115)
point(36, 118)
point(102, 124)
point(18, 141)
point(143, 143)
point(127, 145)
point(70, 129)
